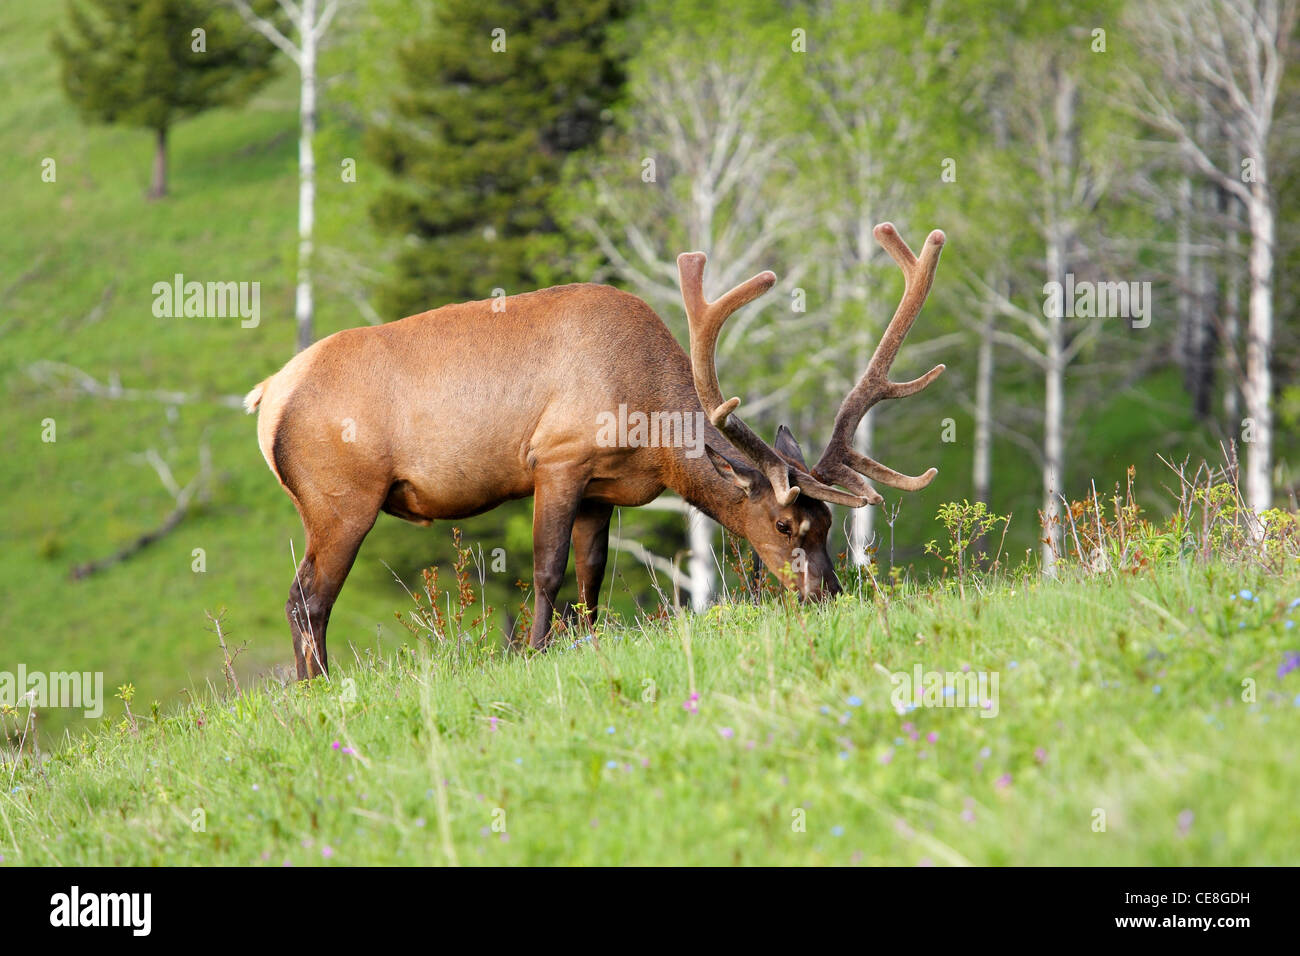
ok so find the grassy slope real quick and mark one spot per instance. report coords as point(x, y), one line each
point(231, 216)
point(1122, 695)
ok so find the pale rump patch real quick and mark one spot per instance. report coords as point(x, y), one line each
point(254, 398)
point(269, 399)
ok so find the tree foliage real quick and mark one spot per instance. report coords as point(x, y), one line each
point(496, 94)
point(152, 63)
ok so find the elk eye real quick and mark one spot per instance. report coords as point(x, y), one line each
point(783, 527)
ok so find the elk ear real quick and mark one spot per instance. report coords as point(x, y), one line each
point(742, 476)
point(789, 449)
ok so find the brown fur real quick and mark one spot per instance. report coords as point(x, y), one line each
point(454, 411)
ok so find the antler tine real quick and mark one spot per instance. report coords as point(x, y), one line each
point(705, 320)
point(840, 464)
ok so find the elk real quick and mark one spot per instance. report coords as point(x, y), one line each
point(449, 413)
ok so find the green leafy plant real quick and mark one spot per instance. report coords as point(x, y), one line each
point(966, 523)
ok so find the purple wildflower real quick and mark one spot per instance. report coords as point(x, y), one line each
point(1289, 663)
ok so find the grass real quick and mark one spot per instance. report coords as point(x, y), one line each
point(76, 286)
point(1122, 699)
point(1121, 693)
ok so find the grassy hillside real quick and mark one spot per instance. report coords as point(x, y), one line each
point(77, 266)
point(77, 272)
point(753, 735)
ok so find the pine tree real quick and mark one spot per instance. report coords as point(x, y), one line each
point(152, 63)
point(497, 93)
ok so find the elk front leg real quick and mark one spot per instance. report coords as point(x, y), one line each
point(590, 552)
point(556, 499)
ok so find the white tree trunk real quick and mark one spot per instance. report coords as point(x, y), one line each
point(1054, 347)
point(1258, 387)
point(1053, 442)
point(862, 520)
point(1183, 278)
point(306, 171)
point(700, 566)
point(982, 466)
point(1232, 322)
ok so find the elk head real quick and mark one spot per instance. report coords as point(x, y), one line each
point(784, 512)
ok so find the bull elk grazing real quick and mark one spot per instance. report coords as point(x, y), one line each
point(449, 413)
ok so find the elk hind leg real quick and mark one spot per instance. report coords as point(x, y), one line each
point(331, 549)
point(590, 553)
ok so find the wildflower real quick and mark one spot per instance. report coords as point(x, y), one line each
point(1289, 663)
point(1003, 781)
point(335, 745)
point(692, 704)
point(612, 765)
point(609, 730)
point(887, 756)
point(1185, 822)
point(1040, 755)
point(837, 831)
point(968, 815)
point(727, 732)
point(932, 736)
point(855, 701)
point(327, 851)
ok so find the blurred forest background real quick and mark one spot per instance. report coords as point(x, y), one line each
point(366, 159)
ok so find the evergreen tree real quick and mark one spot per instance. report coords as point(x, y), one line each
point(497, 93)
point(152, 63)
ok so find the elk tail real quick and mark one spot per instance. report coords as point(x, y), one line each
point(254, 398)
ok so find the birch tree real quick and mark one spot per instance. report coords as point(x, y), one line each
point(701, 164)
point(865, 68)
point(311, 20)
point(1225, 59)
point(1064, 187)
